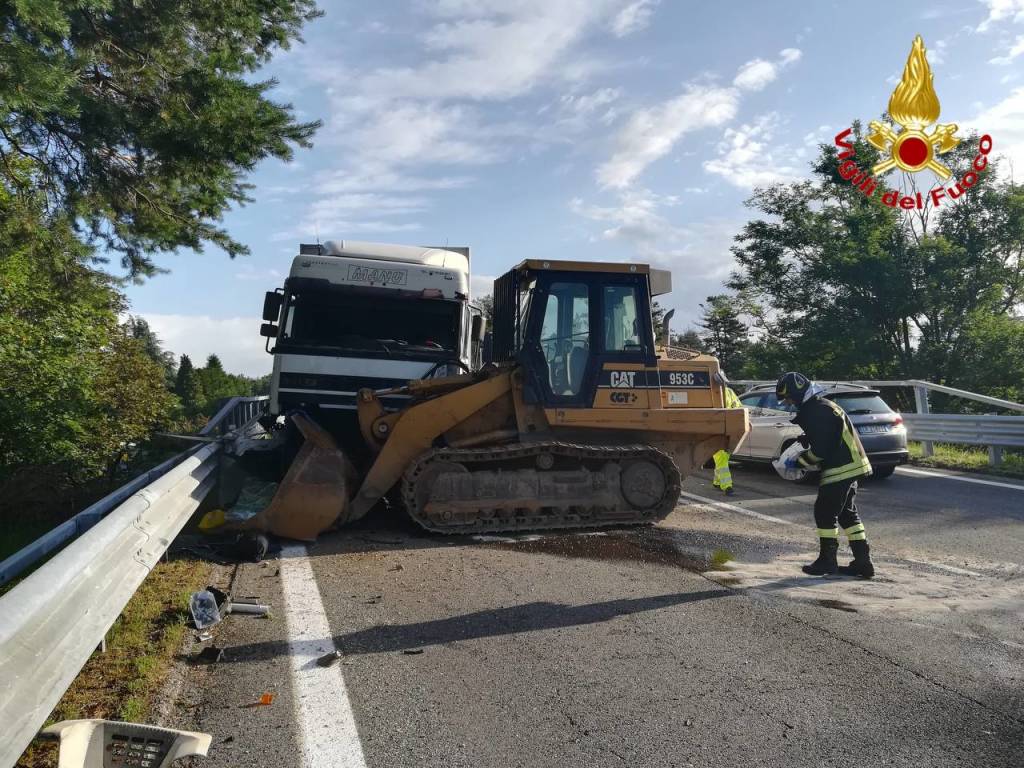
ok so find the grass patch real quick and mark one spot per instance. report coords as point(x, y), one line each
point(967, 458)
point(120, 683)
point(720, 557)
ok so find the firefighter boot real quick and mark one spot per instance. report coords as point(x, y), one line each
point(826, 564)
point(861, 564)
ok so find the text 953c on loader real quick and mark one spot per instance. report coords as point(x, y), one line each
point(581, 419)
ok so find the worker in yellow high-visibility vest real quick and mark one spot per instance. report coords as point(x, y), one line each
point(723, 477)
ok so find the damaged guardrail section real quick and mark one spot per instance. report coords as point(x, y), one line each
point(53, 621)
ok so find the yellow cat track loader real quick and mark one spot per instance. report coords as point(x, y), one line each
point(581, 420)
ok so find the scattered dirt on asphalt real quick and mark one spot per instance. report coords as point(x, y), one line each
point(649, 545)
point(838, 605)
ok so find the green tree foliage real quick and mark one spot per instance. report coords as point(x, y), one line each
point(850, 287)
point(69, 369)
point(140, 330)
point(189, 388)
point(486, 304)
point(140, 119)
point(725, 334)
point(689, 339)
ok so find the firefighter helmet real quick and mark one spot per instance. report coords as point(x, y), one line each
point(792, 386)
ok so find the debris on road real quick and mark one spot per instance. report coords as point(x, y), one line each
point(329, 658)
point(412, 651)
point(211, 654)
point(264, 701)
point(248, 606)
point(204, 609)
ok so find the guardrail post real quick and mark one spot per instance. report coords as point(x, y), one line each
point(995, 455)
point(921, 398)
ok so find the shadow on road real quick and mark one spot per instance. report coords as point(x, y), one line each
point(479, 624)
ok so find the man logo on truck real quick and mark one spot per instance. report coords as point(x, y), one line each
point(377, 275)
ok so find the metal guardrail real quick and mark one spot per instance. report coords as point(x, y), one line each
point(237, 412)
point(1001, 431)
point(995, 432)
point(51, 622)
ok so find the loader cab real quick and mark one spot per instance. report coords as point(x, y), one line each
point(563, 321)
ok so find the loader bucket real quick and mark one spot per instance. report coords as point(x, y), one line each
point(315, 491)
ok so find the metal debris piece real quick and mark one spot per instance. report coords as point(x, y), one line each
point(412, 651)
point(329, 658)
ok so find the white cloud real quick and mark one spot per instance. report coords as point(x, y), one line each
point(1004, 122)
point(745, 158)
point(633, 18)
point(1001, 10)
point(494, 51)
point(399, 130)
point(580, 111)
point(697, 253)
point(756, 74)
point(635, 220)
point(651, 133)
point(1014, 51)
point(236, 340)
point(937, 53)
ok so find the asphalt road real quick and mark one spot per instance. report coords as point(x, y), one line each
point(693, 642)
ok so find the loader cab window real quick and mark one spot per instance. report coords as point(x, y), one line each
point(565, 337)
point(621, 324)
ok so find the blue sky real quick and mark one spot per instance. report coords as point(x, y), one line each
point(614, 130)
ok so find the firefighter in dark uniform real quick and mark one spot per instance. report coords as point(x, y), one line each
point(834, 448)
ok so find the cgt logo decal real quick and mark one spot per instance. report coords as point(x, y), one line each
point(913, 106)
point(623, 398)
point(623, 378)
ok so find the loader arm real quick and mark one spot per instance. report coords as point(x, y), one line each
point(415, 430)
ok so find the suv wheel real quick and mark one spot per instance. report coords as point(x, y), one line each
point(883, 471)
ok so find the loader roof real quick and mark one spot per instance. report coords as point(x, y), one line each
point(583, 266)
point(661, 279)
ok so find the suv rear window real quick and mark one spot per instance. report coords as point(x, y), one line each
point(770, 401)
point(858, 405)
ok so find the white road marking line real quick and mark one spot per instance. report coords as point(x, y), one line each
point(327, 727)
point(909, 471)
point(768, 518)
point(948, 568)
point(734, 508)
point(771, 500)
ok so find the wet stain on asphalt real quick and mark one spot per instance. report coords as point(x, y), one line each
point(838, 605)
point(648, 546)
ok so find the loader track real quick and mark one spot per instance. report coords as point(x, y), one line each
point(539, 486)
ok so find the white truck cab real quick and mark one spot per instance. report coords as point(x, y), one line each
point(356, 314)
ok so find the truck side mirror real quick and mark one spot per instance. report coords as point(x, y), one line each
point(271, 306)
point(479, 328)
point(269, 330)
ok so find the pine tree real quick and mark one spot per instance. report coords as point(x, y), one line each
point(689, 339)
point(726, 336)
point(189, 388)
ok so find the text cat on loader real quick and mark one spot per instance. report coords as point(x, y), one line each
point(581, 420)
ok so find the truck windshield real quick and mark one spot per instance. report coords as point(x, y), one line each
point(368, 323)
